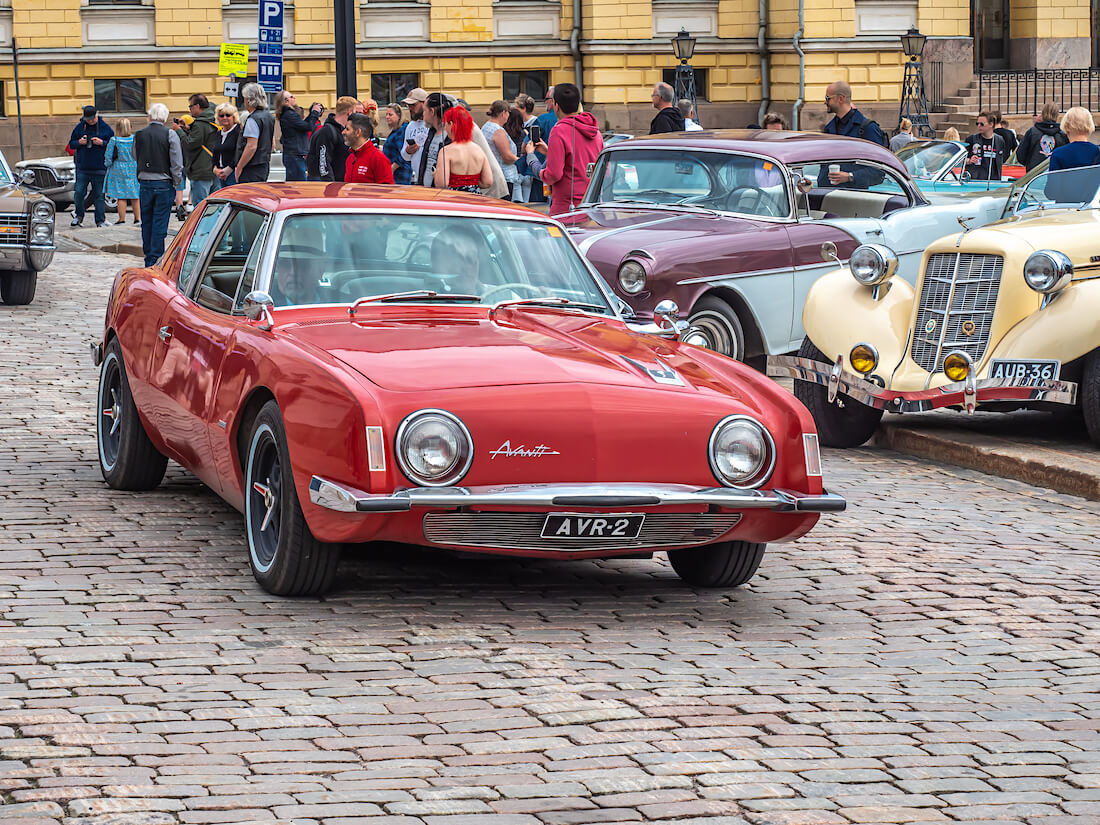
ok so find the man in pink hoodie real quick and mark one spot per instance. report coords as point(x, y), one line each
point(574, 142)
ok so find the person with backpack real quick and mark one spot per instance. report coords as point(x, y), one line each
point(197, 140)
point(1041, 139)
point(849, 121)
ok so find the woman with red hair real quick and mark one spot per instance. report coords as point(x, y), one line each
point(462, 165)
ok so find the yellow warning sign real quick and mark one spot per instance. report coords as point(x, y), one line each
point(233, 59)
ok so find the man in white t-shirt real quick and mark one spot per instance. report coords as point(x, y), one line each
point(416, 133)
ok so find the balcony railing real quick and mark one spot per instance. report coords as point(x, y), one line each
point(1025, 92)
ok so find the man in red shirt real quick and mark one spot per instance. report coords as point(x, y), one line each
point(366, 163)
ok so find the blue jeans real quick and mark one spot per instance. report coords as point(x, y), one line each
point(80, 192)
point(200, 191)
point(295, 166)
point(157, 197)
point(221, 184)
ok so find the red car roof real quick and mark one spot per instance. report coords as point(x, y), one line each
point(274, 197)
point(785, 147)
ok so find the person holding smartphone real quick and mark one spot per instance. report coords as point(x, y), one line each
point(416, 132)
point(89, 144)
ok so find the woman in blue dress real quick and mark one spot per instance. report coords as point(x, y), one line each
point(122, 180)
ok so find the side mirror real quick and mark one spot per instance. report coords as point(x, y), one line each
point(589, 169)
point(828, 252)
point(258, 305)
point(667, 314)
point(805, 185)
point(26, 176)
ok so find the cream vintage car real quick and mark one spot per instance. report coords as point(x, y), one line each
point(1002, 317)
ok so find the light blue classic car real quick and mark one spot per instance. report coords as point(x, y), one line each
point(940, 166)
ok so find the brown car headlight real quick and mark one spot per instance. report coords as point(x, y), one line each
point(42, 211)
point(872, 264)
point(434, 448)
point(741, 452)
point(1048, 271)
point(632, 277)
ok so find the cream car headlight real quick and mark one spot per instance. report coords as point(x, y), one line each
point(43, 211)
point(741, 452)
point(42, 233)
point(873, 264)
point(1048, 271)
point(434, 448)
point(632, 277)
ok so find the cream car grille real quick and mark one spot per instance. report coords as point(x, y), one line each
point(959, 295)
point(522, 531)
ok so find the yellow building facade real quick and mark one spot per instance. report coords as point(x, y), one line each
point(126, 55)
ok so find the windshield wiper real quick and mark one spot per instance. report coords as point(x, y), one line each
point(412, 295)
point(562, 302)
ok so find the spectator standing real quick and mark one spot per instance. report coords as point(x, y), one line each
point(951, 133)
point(416, 133)
point(526, 105)
point(159, 168)
point(122, 182)
point(254, 146)
point(435, 107)
point(502, 142)
point(328, 154)
point(463, 165)
point(848, 120)
point(1078, 125)
point(225, 147)
point(1001, 127)
point(688, 111)
point(669, 118)
point(1042, 139)
point(774, 122)
point(546, 123)
point(365, 162)
point(904, 135)
point(574, 143)
point(986, 151)
point(294, 133)
point(89, 144)
point(395, 140)
point(197, 140)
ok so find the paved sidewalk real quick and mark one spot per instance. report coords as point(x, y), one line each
point(122, 240)
point(1045, 449)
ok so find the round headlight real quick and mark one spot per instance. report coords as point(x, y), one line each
point(42, 211)
point(957, 365)
point(863, 358)
point(741, 452)
point(872, 264)
point(434, 448)
point(42, 233)
point(1048, 271)
point(632, 277)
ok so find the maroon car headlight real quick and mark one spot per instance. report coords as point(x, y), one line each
point(434, 448)
point(632, 277)
point(741, 452)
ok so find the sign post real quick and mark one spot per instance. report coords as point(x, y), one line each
point(269, 60)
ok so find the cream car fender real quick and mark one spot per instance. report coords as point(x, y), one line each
point(840, 313)
point(1066, 329)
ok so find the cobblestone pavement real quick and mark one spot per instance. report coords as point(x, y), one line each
point(929, 656)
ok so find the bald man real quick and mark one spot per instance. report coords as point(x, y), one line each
point(847, 120)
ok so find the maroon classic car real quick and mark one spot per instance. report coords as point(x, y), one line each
point(730, 225)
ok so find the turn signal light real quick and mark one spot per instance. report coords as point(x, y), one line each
point(863, 358)
point(956, 366)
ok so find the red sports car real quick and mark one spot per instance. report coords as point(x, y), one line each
point(349, 363)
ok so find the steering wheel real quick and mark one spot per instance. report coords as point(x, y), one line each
point(531, 290)
point(763, 200)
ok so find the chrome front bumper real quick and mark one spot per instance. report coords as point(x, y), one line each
point(965, 394)
point(345, 499)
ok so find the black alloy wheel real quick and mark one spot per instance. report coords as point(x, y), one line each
point(127, 458)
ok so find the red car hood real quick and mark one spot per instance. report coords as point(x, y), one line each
point(433, 348)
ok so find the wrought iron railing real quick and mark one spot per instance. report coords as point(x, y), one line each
point(934, 84)
point(1025, 92)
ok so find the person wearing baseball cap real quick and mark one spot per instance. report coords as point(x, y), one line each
point(89, 144)
point(416, 133)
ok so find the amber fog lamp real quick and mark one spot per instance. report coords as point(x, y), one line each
point(957, 366)
point(863, 358)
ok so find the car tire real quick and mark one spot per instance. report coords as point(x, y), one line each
point(837, 426)
point(727, 564)
point(1090, 395)
point(285, 557)
point(17, 287)
point(127, 457)
point(721, 325)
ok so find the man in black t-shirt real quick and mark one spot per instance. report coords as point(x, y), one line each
point(986, 151)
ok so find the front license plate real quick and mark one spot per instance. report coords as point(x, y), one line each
point(1025, 370)
point(603, 526)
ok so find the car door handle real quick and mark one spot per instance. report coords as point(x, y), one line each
point(165, 333)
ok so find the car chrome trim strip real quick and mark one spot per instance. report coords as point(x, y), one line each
point(343, 498)
point(949, 395)
point(587, 243)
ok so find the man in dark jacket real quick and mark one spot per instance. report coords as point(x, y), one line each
point(294, 133)
point(89, 141)
point(159, 160)
point(1041, 139)
point(328, 154)
point(197, 140)
point(848, 120)
point(669, 118)
point(257, 137)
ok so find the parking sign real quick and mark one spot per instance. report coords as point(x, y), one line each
point(269, 61)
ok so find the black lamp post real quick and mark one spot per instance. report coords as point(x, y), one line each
point(683, 46)
point(914, 104)
point(343, 18)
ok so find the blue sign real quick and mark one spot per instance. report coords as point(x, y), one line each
point(269, 61)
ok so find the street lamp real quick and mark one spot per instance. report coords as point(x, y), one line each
point(914, 104)
point(683, 46)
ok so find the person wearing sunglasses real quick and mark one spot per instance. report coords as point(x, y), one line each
point(225, 146)
point(985, 149)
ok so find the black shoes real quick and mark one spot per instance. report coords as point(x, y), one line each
point(181, 212)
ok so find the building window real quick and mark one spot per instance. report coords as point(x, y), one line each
point(114, 2)
point(120, 96)
point(669, 77)
point(534, 83)
point(392, 88)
